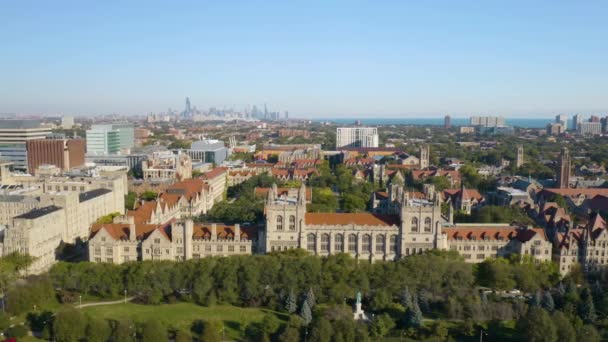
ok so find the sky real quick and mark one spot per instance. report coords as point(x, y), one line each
point(316, 59)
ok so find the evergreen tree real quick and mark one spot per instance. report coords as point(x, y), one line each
point(537, 326)
point(291, 304)
point(306, 313)
point(423, 301)
point(561, 290)
point(310, 298)
point(406, 298)
point(586, 309)
point(548, 303)
point(413, 316)
point(536, 300)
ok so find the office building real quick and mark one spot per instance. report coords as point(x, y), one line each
point(110, 138)
point(563, 120)
point(447, 122)
point(208, 151)
point(555, 128)
point(589, 128)
point(166, 165)
point(67, 122)
point(487, 121)
point(356, 137)
point(63, 153)
point(576, 120)
point(13, 137)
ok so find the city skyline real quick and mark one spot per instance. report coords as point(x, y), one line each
point(339, 60)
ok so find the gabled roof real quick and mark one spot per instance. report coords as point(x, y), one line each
point(218, 171)
point(120, 231)
point(342, 219)
point(203, 231)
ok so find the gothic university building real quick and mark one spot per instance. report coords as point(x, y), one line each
point(402, 224)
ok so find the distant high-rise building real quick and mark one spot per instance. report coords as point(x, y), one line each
point(563, 120)
point(555, 128)
point(356, 137)
point(188, 110)
point(447, 122)
point(487, 121)
point(425, 159)
point(67, 122)
point(589, 128)
point(520, 156)
point(286, 115)
point(576, 120)
point(563, 172)
point(594, 118)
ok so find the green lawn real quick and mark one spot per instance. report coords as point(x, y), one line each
point(181, 315)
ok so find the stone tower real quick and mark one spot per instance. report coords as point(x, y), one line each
point(284, 220)
point(424, 157)
point(520, 156)
point(563, 171)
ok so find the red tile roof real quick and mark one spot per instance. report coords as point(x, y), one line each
point(218, 171)
point(493, 233)
point(337, 219)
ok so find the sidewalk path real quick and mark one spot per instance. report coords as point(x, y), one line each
point(104, 303)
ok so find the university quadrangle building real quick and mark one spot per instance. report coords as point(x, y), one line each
point(410, 225)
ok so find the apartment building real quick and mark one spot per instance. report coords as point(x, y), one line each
point(356, 137)
point(167, 165)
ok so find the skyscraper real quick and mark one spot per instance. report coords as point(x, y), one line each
point(576, 120)
point(563, 120)
point(447, 122)
point(563, 171)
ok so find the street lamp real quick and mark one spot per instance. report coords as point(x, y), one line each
point(80, 301)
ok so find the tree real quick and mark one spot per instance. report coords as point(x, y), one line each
point(413, 316)
point(98, 330)
point(586, 309)
point(588, 333)
point(565, 330)
point(406, 298)
point(210, 332)
point(382, 325)
point(130, 199)
point(4, 321)
point(270, 324)
point(321, 331)
point(153, 330)
point(537, 299)
point(149, 195)
point(310, 298)
point(353, 203)
point(547, 302)
point(69, 325)
point(537, 326)
point(107, 219)
point(306, 313)
point(291, 332)
point(291, 304)
point(124, 331)
point(182, 336)
point(17, 331)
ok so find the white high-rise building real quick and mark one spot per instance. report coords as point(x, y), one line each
point(576, 120)
point(356, 137)
point(109, 139)
point(563, 120)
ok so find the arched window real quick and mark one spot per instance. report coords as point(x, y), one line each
point(407, 251)
point(428, 225)
point(280, 222)
point(339, 243)
point(325, 243)
point(367, 243)
point(393, 244)
point(292, 222)
point(414, 224)
point(311, 242)
point(352, 243)
point(380, 244)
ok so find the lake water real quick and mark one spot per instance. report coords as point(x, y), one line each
point(517, 122)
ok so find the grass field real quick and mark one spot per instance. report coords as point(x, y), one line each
point(182, 315)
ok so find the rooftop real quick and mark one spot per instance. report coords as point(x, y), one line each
point(85, 196)
point(36, 213)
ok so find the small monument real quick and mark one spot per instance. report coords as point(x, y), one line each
point(359, 314)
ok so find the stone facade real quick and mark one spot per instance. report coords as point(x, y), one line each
point(166, 165)
point(127, 241)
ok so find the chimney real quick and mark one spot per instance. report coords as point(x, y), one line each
point(213, 231)
point(237, 232)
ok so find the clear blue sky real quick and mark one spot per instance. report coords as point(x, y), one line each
point(313, 58)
